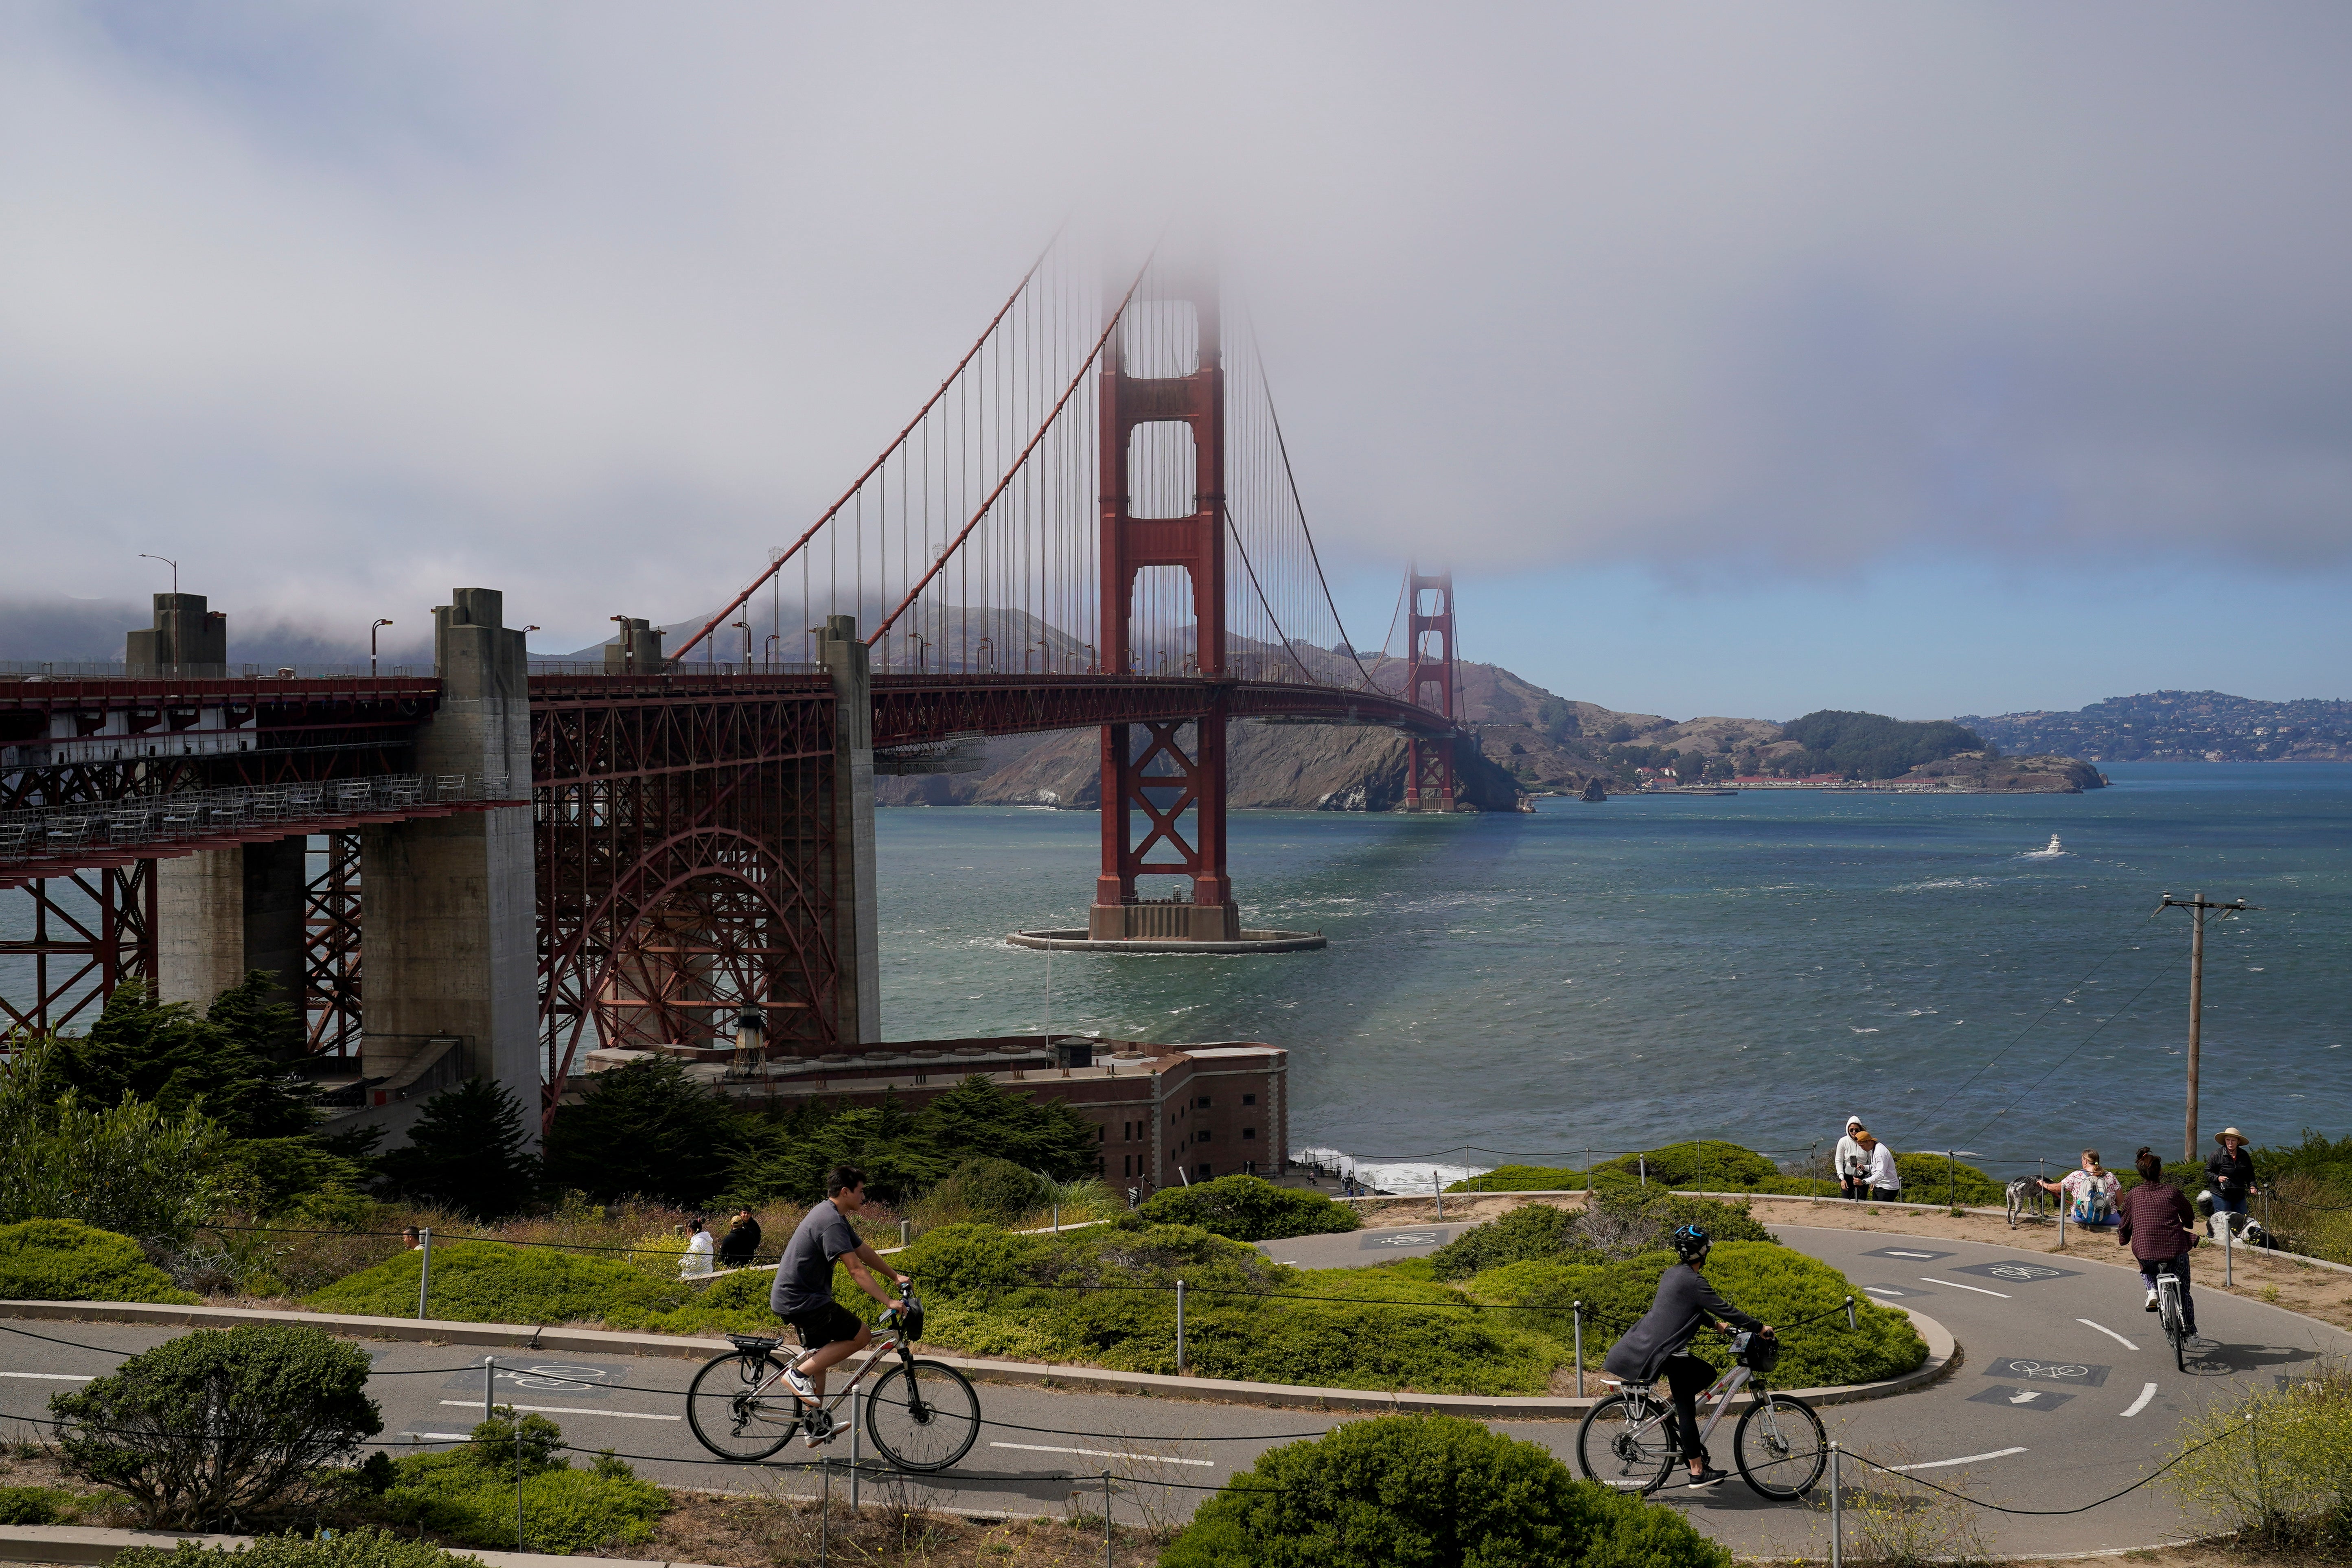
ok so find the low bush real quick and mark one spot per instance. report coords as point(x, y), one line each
point(1105, 1296)
point(993, 1191)
point(468, 1492)
point(2275, 1464)
point(1529, 1231)
point(488, 1282)
point(1702, 1162)
point(1774, 1283)
point(1429, 1491)
point(1521, 1179)
point(221, 1425)
point(368, 1547)
point(1931, 1178)
point(39, 1505)
point(1248, 1208)
point(65, 1260)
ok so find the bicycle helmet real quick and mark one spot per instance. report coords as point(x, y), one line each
point(1690, 1243)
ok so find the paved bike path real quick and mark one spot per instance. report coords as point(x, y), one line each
point(2018, 1313)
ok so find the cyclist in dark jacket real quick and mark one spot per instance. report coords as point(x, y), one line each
point(1656, 1346)
point(2156, 1222)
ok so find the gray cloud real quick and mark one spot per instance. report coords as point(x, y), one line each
point(594, 303)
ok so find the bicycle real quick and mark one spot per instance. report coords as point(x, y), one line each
point(922, 1416)
point(2168, 1313)
point(1627, 1440)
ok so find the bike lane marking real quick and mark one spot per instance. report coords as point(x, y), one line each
point(566, 1410)
point(2147, 1393)
point(1106, 1454)
point(2109, 1332)
point(1963, 1459)
point(1958, 1286)
point(56, 1376)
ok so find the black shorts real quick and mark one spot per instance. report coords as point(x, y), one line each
point(826, 1323)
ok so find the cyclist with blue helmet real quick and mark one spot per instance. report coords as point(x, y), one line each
point(1658, 1344)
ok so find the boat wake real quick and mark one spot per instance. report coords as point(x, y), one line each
point(2050, 851)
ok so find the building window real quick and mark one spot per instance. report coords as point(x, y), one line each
point(1249, 1132)
point(1102, 1133)
point(1249, 1099)
point(1202, 1101)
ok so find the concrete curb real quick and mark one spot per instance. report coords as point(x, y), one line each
point(87, 1547)
point(1943, 1353)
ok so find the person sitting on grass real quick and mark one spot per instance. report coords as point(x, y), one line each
point(2089, 1193)
point(743, 1239)
point(802, 1294)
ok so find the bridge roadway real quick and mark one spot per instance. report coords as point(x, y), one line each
point(2064, 1394)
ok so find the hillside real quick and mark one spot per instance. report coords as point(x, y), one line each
point(2182, 726)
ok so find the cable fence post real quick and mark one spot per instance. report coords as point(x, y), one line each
point(1180, 1327)
point(1438, 1187)
point(490, 1376)
point(425, 1267)
point(1953, 1192)
point(854, 1468)
point(518, 1448)
point(1837, 1514)
point(825, 1515)
point(906, 1233)
point(1645, 1168)
point(1105, 1479)
point(1578, 1308)
point(2228, 1248)
point(1849, 1313)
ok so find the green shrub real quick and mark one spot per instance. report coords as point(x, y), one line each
point(1105, 1296)
point(219, 1425)
point(1774, 1283)
point(467, 1153)
point(468, 1493)
point(486, 1282)
point(1930, 1178)
point(1723, 1167)
point(128, 1168)
point(1248, 1208)
point(65, 1260)
point(2295, 1489)
point(646, 1129)
point(993, 1191)
point(1531, 1230)
point(1429, 1491)
point(39, 1505)
point(1621, 1222)
point(1801, 1186)
point(1521, 1179)
point(369, 1548)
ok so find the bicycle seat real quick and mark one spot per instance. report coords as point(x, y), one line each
point(753, 1344)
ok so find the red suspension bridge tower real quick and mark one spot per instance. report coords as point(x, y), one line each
point(1163, 784)
point(1429, 683)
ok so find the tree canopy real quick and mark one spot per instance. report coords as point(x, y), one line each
point(1872, 745)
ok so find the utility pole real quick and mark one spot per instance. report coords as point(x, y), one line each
point(2199, 909)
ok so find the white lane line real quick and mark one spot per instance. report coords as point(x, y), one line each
point(54, 1376)
point(1963, 1459)
point(1881, 1291)
point(2111, 1334)
point(1892, 1253)
point(564, 1410)
point(2147, 1393)
point(1104, 1454)
point(1958, 1286)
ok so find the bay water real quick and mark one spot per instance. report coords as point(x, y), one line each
point(1596, 978)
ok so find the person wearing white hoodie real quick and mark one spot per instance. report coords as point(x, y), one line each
point(1852, 1164)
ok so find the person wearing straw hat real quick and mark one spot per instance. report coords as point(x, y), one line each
point(2229, 1171)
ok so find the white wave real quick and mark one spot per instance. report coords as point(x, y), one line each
point(1861, 1031)
point(1406, 1178)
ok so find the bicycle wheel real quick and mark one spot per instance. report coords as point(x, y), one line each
point(922, 1416)
point(1780, 1446)
point(740, 1408)
point(1626, 1444)
point(2168, 1305)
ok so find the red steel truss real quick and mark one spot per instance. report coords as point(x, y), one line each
point(1429, 684)
point(685, 860)
point(330, 937)
point(88, 932)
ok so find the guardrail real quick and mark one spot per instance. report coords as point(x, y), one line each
point(160, 821)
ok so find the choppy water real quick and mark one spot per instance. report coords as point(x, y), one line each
point(1752, 967)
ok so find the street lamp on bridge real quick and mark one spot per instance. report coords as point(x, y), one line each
point(371, 631)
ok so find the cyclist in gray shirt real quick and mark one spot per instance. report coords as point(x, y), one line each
point(802, 1295)
point(1657, 1345)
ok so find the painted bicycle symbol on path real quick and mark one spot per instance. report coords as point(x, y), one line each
point(557, 1375)
point(2023, 1272)
point(2036, 1369)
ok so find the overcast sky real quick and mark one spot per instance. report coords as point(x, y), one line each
point(1929, 358)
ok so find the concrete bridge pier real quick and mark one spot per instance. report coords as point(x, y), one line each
point(452, 919)
point(857, 939)
point(220, 912)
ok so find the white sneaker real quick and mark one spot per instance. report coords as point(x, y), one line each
point(798, 1381)
point(2151, 1301)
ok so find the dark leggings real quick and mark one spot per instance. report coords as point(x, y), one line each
point(1687, 1377)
